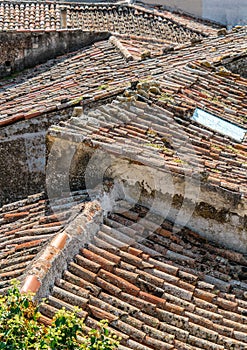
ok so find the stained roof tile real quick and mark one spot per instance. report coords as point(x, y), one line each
point(154, 144)
point(201, 318)
point(110, 70)
point(26, 226)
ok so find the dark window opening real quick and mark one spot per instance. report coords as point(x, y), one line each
point(238, 66)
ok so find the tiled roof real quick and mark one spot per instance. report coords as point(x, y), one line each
point(166, 138)
point(139, 47)
point(189, 21)
point(158, 289)
point(26, 226)
point(216, 90)
point(62, 85)
point(124, 19)
point(29, 16)
point(98, 70)
point(133, 20)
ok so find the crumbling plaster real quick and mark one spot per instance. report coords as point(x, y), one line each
point(216, 213)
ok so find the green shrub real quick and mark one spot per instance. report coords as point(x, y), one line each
point(20, 327)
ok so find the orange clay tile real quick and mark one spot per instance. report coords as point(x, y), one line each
point(31, 284)
point(104, 263)
point(150, 314)
point(59, 240)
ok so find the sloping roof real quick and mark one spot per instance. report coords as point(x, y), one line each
point(102, 67)
point(128, 19)
point(141, 47)
point(168, 138)
point(60, 86)
point(215, 90)
point(206, 26)
point(25, 228)
point(158, 289)
point(136, 20)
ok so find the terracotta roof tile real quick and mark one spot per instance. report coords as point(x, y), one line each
point(78, 281)
point(154, 146)
point(82, 272)
point(162, 317)
point(105, 254)
point(72, 288)
point(26, 226)
point(127, 19)
point(119, 282)
point(100, 314)
point(104, 60)
point(107, 286)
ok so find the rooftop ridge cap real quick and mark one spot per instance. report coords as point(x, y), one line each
point(50, 263)
point(119, 46)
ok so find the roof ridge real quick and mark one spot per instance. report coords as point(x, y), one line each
point(41, 273)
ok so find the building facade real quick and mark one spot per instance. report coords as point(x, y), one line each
point(226, 12)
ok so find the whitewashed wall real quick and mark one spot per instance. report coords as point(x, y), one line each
point(227, 12)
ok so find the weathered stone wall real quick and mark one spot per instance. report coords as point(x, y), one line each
point(215, 213)
point(22, 156)
point(22, 50)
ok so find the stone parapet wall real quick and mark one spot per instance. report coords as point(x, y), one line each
point(20, 50)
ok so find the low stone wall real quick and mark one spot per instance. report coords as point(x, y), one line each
point(21, 50)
